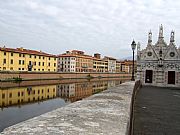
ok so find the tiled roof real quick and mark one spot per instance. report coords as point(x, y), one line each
point(26, 51)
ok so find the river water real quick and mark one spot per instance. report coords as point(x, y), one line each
point(25, 100)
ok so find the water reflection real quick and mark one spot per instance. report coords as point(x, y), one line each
point(70, 92)
point(30, 99)
point(21, 95)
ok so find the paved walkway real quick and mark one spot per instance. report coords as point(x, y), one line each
point(157, 111)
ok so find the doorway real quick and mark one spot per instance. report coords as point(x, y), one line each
point(149, 75)
point(171, 77)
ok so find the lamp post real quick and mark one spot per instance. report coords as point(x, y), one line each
point(133, 46)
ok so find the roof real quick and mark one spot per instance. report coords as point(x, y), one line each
point(26, 51)
point(110, 58)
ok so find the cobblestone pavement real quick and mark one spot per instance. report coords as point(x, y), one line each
point(157, 111)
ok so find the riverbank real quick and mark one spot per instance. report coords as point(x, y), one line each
point(29, 76)
point(108, 112)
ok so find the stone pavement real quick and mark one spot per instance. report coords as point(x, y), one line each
point(106, 113)
point(157, 111)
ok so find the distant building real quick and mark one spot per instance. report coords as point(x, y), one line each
point(111, 64)
point(21, 59)
point(159, 64)
point(75, 61)
point(99, 65)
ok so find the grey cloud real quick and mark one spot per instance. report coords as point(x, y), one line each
point(104, 26)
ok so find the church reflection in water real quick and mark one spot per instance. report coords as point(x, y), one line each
point(70, 92)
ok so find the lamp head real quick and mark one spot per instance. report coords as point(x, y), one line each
point(133, 45)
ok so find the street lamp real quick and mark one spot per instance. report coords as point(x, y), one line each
point(133, 46)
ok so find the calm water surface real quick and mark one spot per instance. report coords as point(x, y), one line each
point(19, 102)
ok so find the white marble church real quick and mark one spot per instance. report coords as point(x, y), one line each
point(159, 64)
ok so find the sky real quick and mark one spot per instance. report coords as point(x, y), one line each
point(93, 26)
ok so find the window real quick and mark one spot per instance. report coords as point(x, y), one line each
point(11, 68)
point(19, 68)
point(22, 68)
point(43, 57)
point(38, 69)
point(18, 94)
point(11, 54)
point(11, 61)
point(23, 55)
point(49, 58)
point(19, 62)
point(4, 53)
point(23, 62)
point(54, 64)
point(10, 95)
point(34, 69)
point(49, 64)
point(3, 96)
point(30, 56)
point(39, 63)
point(35, 56)
point(42, 69)
point(35, 63)
point(22, 93)
point(39, 57)
point(19, 55)
point(42, 90)
point(43, 63)
point(54, 58)
point(4, 61)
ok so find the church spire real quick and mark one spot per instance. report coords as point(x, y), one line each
point(150, 37)
point(172, 37)
point(161, 31)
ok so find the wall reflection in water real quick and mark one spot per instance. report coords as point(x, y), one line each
point(70, 92)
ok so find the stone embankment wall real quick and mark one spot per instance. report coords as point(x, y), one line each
point(107, 113)
point(5, 76)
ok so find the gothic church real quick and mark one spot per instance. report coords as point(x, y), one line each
point(159, 64)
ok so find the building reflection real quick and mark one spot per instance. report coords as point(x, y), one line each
point(21, 95)
point(69, 92)
point(77, 91)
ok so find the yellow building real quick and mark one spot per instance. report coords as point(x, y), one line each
point(20, 95)
point(21, 59)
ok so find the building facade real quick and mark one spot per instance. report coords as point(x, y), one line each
point(99, 65)
point(21, 59)
point(75, 61)
point(159, 64)
point(111, 64)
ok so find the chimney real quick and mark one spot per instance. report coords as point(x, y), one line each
point(97, 55)
point(21, 48)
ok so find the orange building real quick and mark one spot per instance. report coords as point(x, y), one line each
point(127, 66)
point(75, 61)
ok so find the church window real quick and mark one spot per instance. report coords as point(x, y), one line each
point(172, 54)
point(149, 53)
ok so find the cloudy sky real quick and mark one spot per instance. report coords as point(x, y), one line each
point(104, 26)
